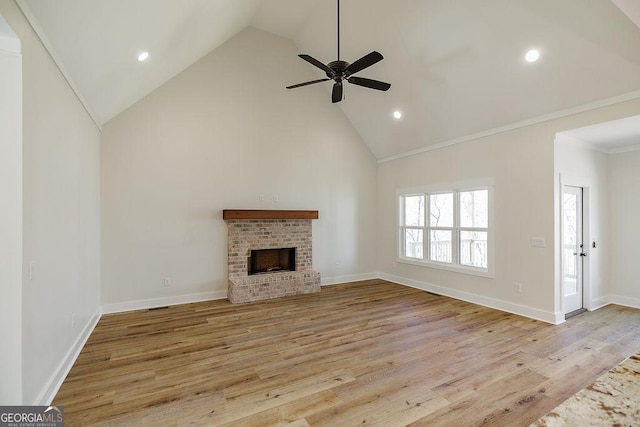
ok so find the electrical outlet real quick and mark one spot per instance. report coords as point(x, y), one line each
point(518, 287)
point(167, 281)
point(538, 242)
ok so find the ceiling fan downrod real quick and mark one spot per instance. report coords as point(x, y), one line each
point(338, 30)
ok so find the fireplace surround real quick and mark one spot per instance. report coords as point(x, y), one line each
point(276, 232)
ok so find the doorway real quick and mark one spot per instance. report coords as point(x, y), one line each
point(10, 215)
point(573, 251)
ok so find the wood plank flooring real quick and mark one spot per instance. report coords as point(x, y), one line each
point(370, 352)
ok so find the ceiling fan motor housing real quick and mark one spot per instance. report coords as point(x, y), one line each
point(338, 68)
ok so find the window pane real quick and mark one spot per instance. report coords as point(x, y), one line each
point(414, 211)
point(473, 248)
point(440, 247)
point(413, 239)
point(570, 243)
point(474, 208)
point(441, 210)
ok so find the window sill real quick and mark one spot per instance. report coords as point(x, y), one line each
point(473, 271)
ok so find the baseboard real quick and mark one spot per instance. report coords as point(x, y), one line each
point(615, 299)
point(599, 303)
point(625, 301)
point(119, 307)
point(559, 318)
point(533, 313)
point(55, 382)
point(328, 281)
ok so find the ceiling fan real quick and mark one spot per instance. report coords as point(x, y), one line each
point(340, 71)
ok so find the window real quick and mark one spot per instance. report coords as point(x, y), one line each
point(413, 229)
point(441, 227)
point(446, 228)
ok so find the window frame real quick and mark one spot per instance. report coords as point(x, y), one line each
point(456, 230)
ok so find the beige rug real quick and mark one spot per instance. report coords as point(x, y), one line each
point(612, 400)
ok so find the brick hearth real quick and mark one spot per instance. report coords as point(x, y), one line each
point(254, 234)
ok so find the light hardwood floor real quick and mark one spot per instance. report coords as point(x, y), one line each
point(368, 352)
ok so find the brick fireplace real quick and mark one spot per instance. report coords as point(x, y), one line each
point(270, 232)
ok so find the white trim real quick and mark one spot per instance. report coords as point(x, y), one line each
point(455, 268)
point(632, 302)
point(626, 149)
point(328, 281)
point(534, 121)
point(606, 300)
point(598, 303)
point(119, 307)
point(9, 52)
point(561, 137)
point(521, 310)
point(48, 46)
point(10, 45)
point(446, 187)
point(52, 386)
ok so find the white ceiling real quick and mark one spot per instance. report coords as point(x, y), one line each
point(614, 136)
point(456, 67)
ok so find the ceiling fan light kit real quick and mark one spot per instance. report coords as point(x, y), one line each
point(340, 71)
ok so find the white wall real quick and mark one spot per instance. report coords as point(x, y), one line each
point(521, 162)
point(10, 217)
point(61, 217)
point(521, 165)
point(580, 166)
point(218, 136)
point(624, 169)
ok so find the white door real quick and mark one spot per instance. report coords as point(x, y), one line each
point(573, 253)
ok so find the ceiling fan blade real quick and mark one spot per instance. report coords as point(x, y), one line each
point(311, 60)
point(372, 84)
point(336, 94)
point(307, 83)
point(364, 62)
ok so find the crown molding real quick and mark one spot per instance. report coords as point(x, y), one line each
point(518, 125)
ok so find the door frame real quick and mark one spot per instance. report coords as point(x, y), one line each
point(567, 180)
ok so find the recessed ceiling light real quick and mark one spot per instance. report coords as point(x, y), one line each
point(143, 56)
point(532, 56)
point(397, 115)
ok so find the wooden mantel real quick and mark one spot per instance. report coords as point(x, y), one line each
point(267, 214)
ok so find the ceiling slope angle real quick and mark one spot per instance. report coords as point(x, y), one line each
point(99, 41)
point(457, 68)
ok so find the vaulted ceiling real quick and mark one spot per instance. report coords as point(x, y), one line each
point(457, 68)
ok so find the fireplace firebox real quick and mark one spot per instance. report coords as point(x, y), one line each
point(264, 261)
